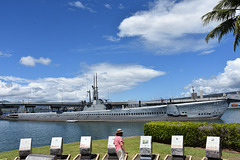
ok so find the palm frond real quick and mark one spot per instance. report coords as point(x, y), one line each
point(236, 33)
point(227, 27)
point(227, 4)
point(218, 15)
point(222, 29)
point(237, 26)
point(225, 12)
point(236, 41)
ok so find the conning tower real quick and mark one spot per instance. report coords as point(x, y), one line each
point(96, 104)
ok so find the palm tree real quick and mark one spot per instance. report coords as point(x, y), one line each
point(225, 12)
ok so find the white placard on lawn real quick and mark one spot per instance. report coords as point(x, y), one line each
point(110, 141)
point(56, 143)
point(85, 142)
point(146, 142)
point(177, 142)
point(213, 143)
point(25, 144)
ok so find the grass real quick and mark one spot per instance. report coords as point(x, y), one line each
point(132, 147)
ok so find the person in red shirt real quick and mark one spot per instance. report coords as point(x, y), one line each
point(119, 145)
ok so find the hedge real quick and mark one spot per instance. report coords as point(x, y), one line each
point(195, 134)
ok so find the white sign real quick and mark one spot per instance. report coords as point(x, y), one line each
point(25, 144)
point(85, 142)
point(146, 142)
point(177, 142)
point(56, 143)
point(213, 143)
point(110, 142)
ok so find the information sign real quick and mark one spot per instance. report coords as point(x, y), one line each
point(56, 146)
point(146, 145)
point(25, 144)
point(85, 145)
point(177, 147)
point(111, 146)
point(213, 149)
point(213, 143)
point(146, 142)
point(56, 143)
point(85, 142)
point(110, 142)
point(177, 142)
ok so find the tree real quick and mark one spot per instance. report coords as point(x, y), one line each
point(225, 12)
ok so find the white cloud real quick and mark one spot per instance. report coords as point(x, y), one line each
point(80, 5)
point(30, 61)
point(44, 61)
point(169, 26)
point(108, 6)
point(111, 38)
point(77, 4)
point(113, 78)
point(5, 54)
point(227, 81)
point(207, 52)
point(121, 6)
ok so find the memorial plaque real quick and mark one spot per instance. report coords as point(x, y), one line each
point(85, 145)
point(41, 157)
point(177, 147)
point(146, 145)
point(56, 146)
point(111, 146)
point(213, 149)
point(25, 147)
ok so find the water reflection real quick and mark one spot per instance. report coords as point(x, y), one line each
point(231, 115)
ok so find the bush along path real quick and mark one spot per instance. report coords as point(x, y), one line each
point(194, 133)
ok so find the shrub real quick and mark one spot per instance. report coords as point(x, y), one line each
point(195, 134)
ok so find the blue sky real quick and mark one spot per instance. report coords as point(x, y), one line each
point(141, 50)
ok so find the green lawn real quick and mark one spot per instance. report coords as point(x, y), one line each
point(131, 144)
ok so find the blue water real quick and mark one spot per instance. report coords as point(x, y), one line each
point(41, 132)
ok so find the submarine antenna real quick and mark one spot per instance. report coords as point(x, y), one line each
point(96, 88)
point(89, 93)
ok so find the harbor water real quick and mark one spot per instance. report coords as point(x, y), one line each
point(41, 132)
